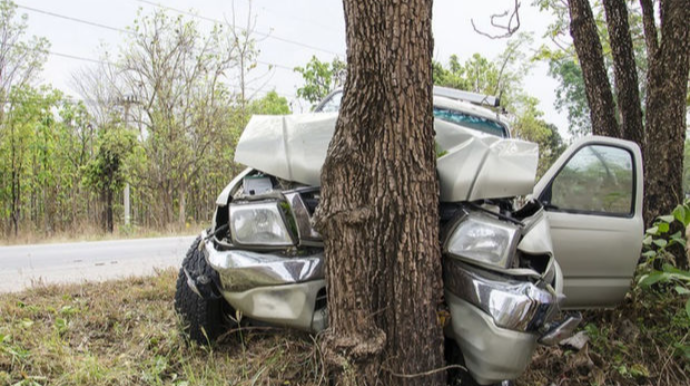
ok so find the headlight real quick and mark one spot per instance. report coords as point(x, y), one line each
point(259, 224)
point(484, 239)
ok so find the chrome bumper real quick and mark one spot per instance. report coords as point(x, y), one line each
point(241, 270)
point(512, 304)
point(498, 321)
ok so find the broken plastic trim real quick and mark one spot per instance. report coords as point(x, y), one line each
point(564, 329)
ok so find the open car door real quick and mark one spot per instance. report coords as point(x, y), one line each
point(593, 201)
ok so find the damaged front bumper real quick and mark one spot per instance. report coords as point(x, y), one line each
point(240, 270)
point(498, 321)
point(513, 304)
point(271, 287)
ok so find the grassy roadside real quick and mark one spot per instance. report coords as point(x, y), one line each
point(91, 233)
point(126, 333)
point(642, 342)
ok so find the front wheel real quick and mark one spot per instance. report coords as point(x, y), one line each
point(204, 319)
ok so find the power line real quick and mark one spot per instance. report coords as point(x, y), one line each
point(283, 16)
point(98, 61)
point(68, 56)
point(265, 34)
point(116, 29)
point(63, 55)
point(74, 19)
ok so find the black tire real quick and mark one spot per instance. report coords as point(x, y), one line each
point(203, 319)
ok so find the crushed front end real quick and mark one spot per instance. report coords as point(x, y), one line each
point(269, 260)
point(503, 287)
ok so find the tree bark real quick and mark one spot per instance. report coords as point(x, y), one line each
point(667, 81)
point(649, 25)
point(379, 208)
point(182, 209)
point(109, 210)
point(625, 71)
point(597, 86)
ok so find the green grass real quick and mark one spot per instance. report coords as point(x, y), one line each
point(642, 342)
point(126, 333)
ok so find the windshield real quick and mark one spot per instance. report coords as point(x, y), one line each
point(484, 125)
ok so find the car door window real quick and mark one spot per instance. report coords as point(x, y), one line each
point(598, 179)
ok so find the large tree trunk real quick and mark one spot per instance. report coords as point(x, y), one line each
point(625, 71)
point(667, 81)
point(379, 208)
point(597, 85)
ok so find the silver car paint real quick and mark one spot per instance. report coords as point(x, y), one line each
point(467, 102)
point(288, 305)
point(282, 291)
point(491, 353)
point(224, 196)
point(476, 165)
point(483, 343)
point(598, 254)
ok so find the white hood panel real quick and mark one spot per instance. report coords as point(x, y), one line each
point(476, 166)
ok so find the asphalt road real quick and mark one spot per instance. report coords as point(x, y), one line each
point(24, 265)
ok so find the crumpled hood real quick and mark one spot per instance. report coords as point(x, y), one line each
point(475, 165)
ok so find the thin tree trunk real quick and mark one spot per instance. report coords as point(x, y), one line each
point(16, 202)
point(667, 81)
point(181, 214)
point(379, 209)
point(597, 85)
point(109, 211)
point(649, 25)
point(625, 71)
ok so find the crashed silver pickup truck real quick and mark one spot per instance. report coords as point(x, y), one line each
point(509, 272)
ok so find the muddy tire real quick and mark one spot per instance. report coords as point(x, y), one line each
point(203, 320)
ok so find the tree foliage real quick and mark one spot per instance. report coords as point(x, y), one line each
point(636, 45)
point(270, 104)
point(159, 113)
point(21, 56)
point(105, 173)
point(320, 78)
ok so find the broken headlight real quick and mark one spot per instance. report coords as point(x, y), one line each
point(483, 239)
point(259, 224)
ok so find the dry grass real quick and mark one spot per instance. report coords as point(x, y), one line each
point(642, 342)
point(90, 232)
point(126, 333)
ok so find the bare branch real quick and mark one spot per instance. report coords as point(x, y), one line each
point(509, 28)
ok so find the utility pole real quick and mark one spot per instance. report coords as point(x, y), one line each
point(127, 101)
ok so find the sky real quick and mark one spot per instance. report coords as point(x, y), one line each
point(288, 34)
